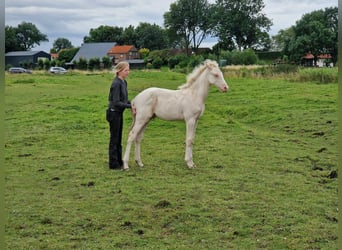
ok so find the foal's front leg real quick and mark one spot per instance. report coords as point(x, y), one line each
point(190, 137)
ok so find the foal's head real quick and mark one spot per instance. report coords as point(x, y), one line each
point(212, 73)
point(215, 75)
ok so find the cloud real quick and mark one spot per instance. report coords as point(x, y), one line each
point(285, 13)
point(74, 19)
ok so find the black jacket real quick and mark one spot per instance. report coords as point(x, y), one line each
point(118, 95)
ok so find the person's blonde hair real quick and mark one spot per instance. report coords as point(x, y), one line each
point(120, 66)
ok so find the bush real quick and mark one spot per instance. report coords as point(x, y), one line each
point(144, 52)
point(157, 63)
point(285, 68)
point(162, 55)
point(269, 55)
point(94, 63)
point(107, 63)
point(173, 61)
point(246, 57)
point(81, 64)
point(180, 69)
point(195, 60)
point(227, 55)
point(48, 64)
point(40, 64)
point(60, 63)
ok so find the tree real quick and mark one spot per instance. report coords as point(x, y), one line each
point(315, 32)
point(11, 42)
point(23, 37)
point(187, 21)
point(331, 21)
point(242, 23)
point(68, 54)
point(62, 43)
point(129, 36)
point(282, 39)
point(151, 36)
point(105, 33)
point(28, 36)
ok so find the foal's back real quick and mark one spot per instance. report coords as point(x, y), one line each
point(164, 103)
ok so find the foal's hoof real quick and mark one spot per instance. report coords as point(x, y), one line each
point(192, 166)
point(140, 164)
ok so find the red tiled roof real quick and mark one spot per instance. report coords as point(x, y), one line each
point(121, 49)
point(309, 56)
point(54, 55)
point(324, 56)
point(321, 56)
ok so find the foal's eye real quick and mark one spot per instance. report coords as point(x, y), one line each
point(216, 75)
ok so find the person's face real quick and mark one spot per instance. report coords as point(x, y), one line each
point(124, 73)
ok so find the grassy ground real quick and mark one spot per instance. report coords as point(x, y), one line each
point(266, 176)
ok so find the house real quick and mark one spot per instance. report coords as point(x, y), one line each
point(120, 53)
point(92, 50)
point(322, 60)
point(54, 56)
point(25, 58)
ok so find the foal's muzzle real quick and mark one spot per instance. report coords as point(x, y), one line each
point(224, 88)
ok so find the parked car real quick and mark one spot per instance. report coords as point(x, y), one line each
point(58, 70)
point(19, 70)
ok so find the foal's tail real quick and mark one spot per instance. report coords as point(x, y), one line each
point(133, 116)
point(133, 122)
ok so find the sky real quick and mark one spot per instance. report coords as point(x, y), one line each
point(74, 19)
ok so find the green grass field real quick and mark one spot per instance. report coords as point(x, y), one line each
point(266, 176)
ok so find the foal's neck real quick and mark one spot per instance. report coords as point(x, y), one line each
point(201, 87)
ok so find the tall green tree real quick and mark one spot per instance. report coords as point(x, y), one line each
point(68, 54)
point(62, 43)
point(11, 42)
point(151, 36)
point(129, 36)
point(105, 33)
point(282, 39)
point(315, 32)
point(23, 37)
point(242, 23)
point(29, 36)
point(187, 22)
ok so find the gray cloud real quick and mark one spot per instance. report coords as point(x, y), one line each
point(74, 19)
point(285, 13)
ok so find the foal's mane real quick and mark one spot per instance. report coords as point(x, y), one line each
point(193, 76)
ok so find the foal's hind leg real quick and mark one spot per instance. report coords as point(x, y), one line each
point(138, 140)
point(131, 138)
point(134, 135)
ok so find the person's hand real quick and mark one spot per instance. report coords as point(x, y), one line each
point(133, 110)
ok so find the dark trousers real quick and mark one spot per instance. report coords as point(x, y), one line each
point(115, 147)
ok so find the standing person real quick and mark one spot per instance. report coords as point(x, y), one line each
point(117, 103)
